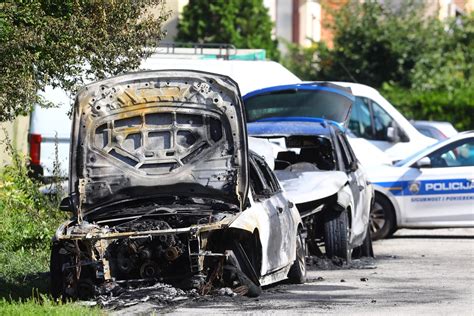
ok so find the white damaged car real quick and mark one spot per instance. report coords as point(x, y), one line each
point(163, 188)
point(315, 163)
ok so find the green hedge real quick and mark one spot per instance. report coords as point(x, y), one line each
point(456, 106)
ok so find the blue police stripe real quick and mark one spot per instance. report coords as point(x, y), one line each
point(428, 187)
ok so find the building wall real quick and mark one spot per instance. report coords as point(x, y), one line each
point(17, 133)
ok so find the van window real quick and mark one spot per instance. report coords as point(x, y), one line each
point(369, 120)
point(360, 121)
point(382, 121)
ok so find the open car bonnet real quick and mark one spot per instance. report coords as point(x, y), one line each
point(158, 134)
point(304, 100)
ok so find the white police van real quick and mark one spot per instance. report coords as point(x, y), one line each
point(430, 189)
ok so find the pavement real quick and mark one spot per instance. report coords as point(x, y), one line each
point(418, 272)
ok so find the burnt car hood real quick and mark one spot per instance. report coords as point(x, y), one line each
point(158, 134)
point(300, 101)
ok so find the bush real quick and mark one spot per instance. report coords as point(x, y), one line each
point(455, 106)
point(29, 218)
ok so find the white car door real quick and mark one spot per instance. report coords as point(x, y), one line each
point(358, 185)
point(442, 193)
point(281, 233)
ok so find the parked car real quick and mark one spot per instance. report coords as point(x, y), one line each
point(315, 163)
point(162, 187)
point(432, 188)
point(435, 129)
point(375, 119)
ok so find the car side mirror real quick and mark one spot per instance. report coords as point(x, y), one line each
point(66, 205)
point(403, 136)
point(424, 162)
point(393, 134)
point(353, 166)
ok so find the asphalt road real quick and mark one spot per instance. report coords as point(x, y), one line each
point(417, 272)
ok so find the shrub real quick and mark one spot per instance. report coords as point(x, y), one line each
point(455, 106)
point(29, 218)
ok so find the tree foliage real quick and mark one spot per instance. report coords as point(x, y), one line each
point(243, 23)
point(421, 64)
point(63, 42)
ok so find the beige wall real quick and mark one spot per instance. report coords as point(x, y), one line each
point(17, 132)
point(174, 8)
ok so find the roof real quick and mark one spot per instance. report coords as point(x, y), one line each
point(291, 126)
point(321, 86)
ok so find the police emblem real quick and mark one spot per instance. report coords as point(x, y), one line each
point(414, 187)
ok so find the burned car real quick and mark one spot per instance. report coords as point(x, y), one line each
point(163, 188)
point(315, 163)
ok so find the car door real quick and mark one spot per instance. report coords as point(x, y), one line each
point(282, 229)
point(441, 191)
point(358, 185)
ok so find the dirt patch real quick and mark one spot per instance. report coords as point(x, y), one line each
point(323, 263)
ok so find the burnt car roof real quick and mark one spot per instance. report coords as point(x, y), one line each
point(158, 133)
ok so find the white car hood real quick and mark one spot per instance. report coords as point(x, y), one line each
point(308, 186)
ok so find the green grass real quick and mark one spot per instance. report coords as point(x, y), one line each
point(23, 272)
point(24, 286)
point(45, 306)
point(28, 220)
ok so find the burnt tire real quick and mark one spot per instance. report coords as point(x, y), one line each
point(382, 218)
point(56, 283)
point(297, 273)
point(364, 250)
point(236, 278)
point(234, 275)
point(336, 235)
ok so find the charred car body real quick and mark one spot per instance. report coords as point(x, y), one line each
point(315, 163)
point(162, 187)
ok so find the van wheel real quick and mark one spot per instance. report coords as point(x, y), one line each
point(297, 273)
point(382, 218)
point(336, 235)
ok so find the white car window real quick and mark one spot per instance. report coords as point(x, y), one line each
point(458, 154)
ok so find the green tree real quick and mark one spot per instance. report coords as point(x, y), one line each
point(63, 42)
point(442, 81)
point(421, 64)
point(374, 43)
point(243, 23)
